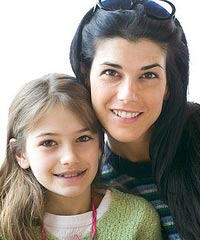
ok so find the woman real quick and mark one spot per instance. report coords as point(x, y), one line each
point(133, 56)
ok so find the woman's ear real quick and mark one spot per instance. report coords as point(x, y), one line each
point(20, 157)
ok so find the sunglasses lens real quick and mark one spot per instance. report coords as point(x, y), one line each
point(158, 9)
point(116, 4)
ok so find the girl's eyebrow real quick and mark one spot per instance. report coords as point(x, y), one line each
point(55, 134)
point(46, 134)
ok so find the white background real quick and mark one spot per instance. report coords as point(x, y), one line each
point(35, 36)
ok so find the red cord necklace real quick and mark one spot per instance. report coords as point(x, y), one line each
point(93, 227)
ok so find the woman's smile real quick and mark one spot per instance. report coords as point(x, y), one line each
point(128, 87)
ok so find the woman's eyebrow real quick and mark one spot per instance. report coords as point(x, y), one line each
point(142, 68)
point(151, 66)
point(112, 65)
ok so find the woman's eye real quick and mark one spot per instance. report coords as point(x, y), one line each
point(111, 72)
point(84, 138)
point(149, 75)
point(48, 143)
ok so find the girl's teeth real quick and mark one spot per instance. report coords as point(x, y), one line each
point(71, 175)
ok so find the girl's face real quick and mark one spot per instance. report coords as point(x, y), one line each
point(62, 154)
point(128, 86)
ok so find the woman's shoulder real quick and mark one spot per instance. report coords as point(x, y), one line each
point(192, 110)
point(192, 124)
point(189, 147)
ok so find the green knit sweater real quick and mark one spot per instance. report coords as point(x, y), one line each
point(128, 217)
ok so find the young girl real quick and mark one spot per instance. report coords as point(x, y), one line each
point(47, 181)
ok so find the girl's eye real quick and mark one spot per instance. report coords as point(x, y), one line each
point(48, 143)
point(111, 72)
point(149, 75)
point(84, 138)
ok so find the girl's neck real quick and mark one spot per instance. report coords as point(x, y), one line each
point(136, 151)
point(60, 205)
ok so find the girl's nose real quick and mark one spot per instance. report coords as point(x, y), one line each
point(128, 91)
point(68, 155)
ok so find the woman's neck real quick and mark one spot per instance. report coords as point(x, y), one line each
point(136, 151)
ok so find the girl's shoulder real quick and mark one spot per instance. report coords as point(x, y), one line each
point(2, 237)
point(133, 203)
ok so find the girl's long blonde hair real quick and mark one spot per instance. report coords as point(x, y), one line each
point(22, 197)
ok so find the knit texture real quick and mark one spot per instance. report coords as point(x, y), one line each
point(128, 218)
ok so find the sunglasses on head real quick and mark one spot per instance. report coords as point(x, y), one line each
point(158, 9)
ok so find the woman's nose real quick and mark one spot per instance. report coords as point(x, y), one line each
point(128, 91)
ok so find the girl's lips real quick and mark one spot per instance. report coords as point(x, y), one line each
point(71, 174)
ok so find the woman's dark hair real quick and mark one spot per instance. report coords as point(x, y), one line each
point(169, 164)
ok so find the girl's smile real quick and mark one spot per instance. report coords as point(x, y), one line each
point(62, 154)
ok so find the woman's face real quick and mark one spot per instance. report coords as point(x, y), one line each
point(128, 86)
